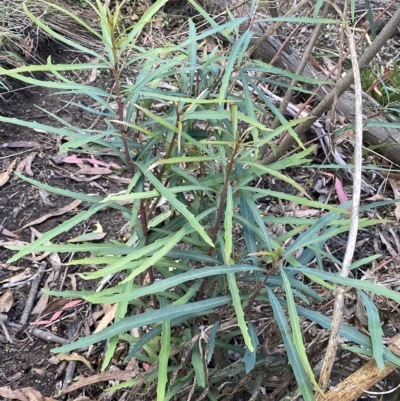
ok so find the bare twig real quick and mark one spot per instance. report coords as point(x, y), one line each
point(43, 335)
point(33, 293)
point(340, 291)
point(3, 319)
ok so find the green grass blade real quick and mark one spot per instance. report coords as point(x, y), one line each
point(211, 341)
point(164, 284)
point(296, 199)
point(59, 191)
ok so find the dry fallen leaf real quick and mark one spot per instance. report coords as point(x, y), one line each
point(6, 301)
point(93, 170)
point(93, 73)
point(396, 190)
point(5, 175)
point(7, 393)
point(104, 322)
point(28, 166)
point(17, 277)
point(104, 376)
point(75, 357)
point(32, 394)
point(6, 266)
point(58, 212)
point(8, 233)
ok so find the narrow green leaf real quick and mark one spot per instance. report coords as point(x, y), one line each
point(228, 230)
point(211, 341)
point(180, 207)
point(302, 378)
point(249, 357)
point(234, 290)
point(172, 241)
point(198, 365)
point(168, 313)
point(296, 199)
point(165, 344)
point(65, 226)
point(375, 330)
point(364, 285)
point(348, 332)
point(192, 291)
point(296, 329)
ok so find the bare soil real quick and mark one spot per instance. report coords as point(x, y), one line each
point(27, 361)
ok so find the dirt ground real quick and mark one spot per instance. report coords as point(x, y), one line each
point(27, 362)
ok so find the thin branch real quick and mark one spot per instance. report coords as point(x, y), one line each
point(348, 257)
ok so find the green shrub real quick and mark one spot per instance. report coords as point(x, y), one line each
point(198, 154)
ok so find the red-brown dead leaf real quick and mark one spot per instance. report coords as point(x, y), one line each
point(53, 306)
point(58, 212)
point(72, 303)
point(8, 233)
point(340, 191)
point(59, 307)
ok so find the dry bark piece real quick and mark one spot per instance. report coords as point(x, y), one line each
point(364, 378)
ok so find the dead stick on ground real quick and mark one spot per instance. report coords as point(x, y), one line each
point(33, 293)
